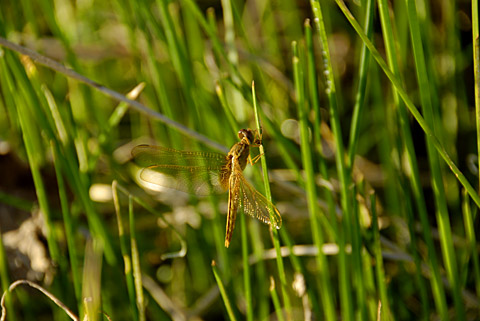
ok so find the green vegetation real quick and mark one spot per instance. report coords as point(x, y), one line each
point(370, 114)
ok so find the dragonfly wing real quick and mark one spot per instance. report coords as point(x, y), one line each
point(256, 205)
point(147, 155)
point(191, 172)
point(198, 180)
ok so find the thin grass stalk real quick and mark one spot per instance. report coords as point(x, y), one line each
point(92, 280)
point(29, 129)
point(344, 234)
point(216, 43)
point(223, 293)
point(472, 241)
point(218, 230)
point(127, 260)
point(276, 300)
point(183, 250)
point(69, 227)
point(362, 85)
point(262, 298)
point(358, 273)
point(300, 269)
point(476, 73)
point(370, 286)
point(441, 212)
point(247, 287)
point(408, 102)
point(152, 31)
point(414, 177)
point(268, 195)
point(317, 234)
point(137, 271)
point(329, 221)
point(379, 270)
point(49, 13)
point(16, 202)
point(232, 54)
point(78, 184)
point(226, 107)
point(182, 65)
point(5, 280)
point(416, 256)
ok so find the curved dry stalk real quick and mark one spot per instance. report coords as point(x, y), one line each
point(41, 289)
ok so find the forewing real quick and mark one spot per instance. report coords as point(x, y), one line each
point(190, 172)
point(148, 155)
point(256, 205)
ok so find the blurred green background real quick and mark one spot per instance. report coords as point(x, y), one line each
point(370, 138)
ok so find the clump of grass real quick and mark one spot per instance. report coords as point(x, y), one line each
point(398, 92)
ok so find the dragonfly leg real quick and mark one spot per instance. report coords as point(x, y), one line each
point(257, 141)
point(254, 160)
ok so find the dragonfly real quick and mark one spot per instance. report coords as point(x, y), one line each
point(203, 173)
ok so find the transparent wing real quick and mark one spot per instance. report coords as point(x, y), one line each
point(190, 172)
point(147, 155)
point(256, 205)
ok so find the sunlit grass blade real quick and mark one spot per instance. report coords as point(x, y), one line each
point(176, 254)
point(441, 212)
point(329, 220)
point(362, 84)
point(276, 300)
point(317, 233)
point(379, 269)
point(276, 240)
point(127, 260)
point(414, 177)
point(408, 102)
point(137, 272)
point(476, 72)
point(223, 293)
point(69, 227)
point(472, 241)
point(246, 270)
point(91, 284)
point(345, 233)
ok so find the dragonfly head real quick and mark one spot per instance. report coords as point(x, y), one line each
point(246, 134)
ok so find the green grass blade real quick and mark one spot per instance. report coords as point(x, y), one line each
point(246, 270)
point(476, 72)
point(379, 269)
point(276, 300)
point(362, 84)
point(414, 177)
point(411, 107)
point(127, 260)
point(329, 221)
point(69, 227)
point(223, 293)
point(443, 219)
point(137, 272)
point(472, 241)
point(325, 287)
point(268, 194)
point(344, 235)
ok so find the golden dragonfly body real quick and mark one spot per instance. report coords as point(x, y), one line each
point(201, 173)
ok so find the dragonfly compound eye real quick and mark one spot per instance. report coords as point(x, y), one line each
point(247, 133)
